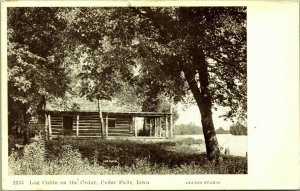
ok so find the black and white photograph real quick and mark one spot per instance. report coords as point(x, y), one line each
point(115, 91)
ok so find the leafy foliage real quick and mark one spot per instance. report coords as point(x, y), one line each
point(177, 51)
point(33, 59)
point(238, 129)
point(32, 161)
point(36, 68)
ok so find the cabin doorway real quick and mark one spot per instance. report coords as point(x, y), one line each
point(68, 125)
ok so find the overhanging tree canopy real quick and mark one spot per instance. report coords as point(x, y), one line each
point(178, 50)
point(196, 49)
point(36, 69)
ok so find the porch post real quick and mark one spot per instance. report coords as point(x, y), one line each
point(167, 127)
point(49, 123)
point(134, 126)
point(171, 120)
point(77, 126)
point(145, 124)
point(150, 121)
point(46, 127)
point(159, 127)
point(155, 127)
point(171, 126)
point(106, 126)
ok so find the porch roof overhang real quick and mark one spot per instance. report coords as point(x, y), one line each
point(112, 113)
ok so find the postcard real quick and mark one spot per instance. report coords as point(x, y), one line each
point(146, 95)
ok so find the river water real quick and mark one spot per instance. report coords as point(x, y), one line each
point(238, 145)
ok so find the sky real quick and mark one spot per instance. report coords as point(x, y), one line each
point(191, 114)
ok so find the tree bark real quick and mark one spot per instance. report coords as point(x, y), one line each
point(101, 119)
point(211, 142)
point(203, 100)
point(41, 107)
point(25, 125)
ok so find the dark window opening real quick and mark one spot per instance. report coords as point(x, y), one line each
point(68, 125)
point(111, 123)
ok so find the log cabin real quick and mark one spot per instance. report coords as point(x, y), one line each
point(87, 124)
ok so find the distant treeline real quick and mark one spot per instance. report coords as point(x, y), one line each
point(222, 131)
point(192, 129)
point(187, 129)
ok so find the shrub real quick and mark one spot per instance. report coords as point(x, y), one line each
point(32, 160)
point(69, 161)
point(12, 141)
point(14, 164)
point(133, 157)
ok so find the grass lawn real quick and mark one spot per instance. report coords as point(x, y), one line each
point(72, 157)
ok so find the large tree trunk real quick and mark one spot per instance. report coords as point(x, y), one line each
point(25, 125)
point(211, 142)
point(25, 136)
point(199, 88)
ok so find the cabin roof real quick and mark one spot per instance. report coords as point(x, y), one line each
point(130, 113)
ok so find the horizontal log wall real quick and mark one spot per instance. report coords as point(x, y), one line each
point(123, 127)
point(89, 125)
point(56, 125)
